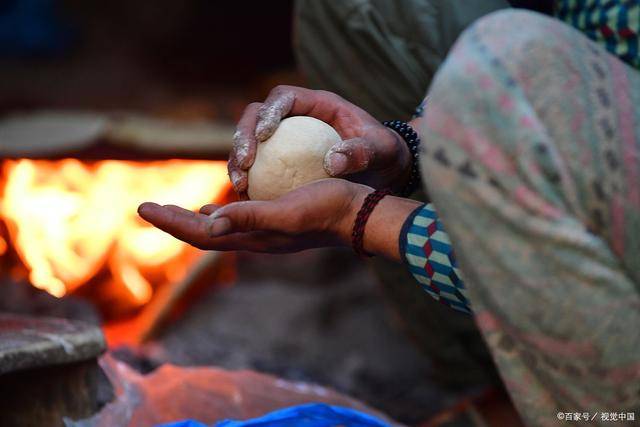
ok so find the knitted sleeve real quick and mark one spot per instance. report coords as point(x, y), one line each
point(427, 252)
point(615, 24)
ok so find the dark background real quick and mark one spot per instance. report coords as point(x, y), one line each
point(205, 57)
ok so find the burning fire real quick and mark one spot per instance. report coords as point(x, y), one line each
point(68, 220)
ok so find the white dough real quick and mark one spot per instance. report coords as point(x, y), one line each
point(291, 157)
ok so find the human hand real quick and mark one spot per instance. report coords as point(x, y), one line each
point(369, 152)
point(318, 214)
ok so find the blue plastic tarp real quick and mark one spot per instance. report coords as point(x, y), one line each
point(308, 415)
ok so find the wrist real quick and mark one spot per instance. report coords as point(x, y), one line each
point(405, 161)
point(345, 225)
point(385, 224)
point(410, 140)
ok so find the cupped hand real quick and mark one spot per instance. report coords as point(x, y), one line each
point(318, 214)
point(369, 152)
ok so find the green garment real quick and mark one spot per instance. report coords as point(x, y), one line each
point(381, 55)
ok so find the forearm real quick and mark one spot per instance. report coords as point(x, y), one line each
point(383, 228)
point(407, 231)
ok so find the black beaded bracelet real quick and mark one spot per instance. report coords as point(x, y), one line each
point(412, 139)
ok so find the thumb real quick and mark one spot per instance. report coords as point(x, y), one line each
point(244, 216)
point(348, 157)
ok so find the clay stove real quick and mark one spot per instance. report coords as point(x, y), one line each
point(70, 184)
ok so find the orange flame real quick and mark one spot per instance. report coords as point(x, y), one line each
point(68, 219)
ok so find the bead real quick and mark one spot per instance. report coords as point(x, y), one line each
point(411, 138)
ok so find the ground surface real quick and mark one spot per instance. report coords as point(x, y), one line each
point(315, 316)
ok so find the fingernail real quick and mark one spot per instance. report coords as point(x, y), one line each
point(336, 163)
point(146, 206)
point(219, 226)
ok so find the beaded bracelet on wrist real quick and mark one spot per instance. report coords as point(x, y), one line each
point(412, 140)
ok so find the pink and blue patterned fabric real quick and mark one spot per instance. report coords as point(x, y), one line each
point(532, 159)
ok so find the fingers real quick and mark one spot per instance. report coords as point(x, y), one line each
point(181, 223)
point(246, 216)
point(215, 221)
point(209, 209)
point(243, 152)
point(260, 120)
point(349, 156)
point(194, 228)
point(239, 178)
point(217, 227)
point(286, 101)
point(251, 216)
point(179, 210)
point(277, 105)
point(244, 142)
point(302, 218)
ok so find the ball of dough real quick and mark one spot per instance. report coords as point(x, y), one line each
point(291, 157)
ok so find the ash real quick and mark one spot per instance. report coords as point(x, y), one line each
point(315, 316)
